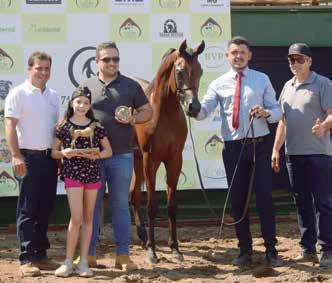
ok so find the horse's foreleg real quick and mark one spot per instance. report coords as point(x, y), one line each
point(173, 170)
point(135, 198)
point(150, 170)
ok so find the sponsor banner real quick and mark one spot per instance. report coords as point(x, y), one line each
point(81, 64)
point(11, 59)
point(170, 6)
point(9, 6)
point(170, 27)
point(213, 173)
point(8, 183)
point(10, 29)
point(129, 6)
point(135, 28)
point(87, 6)
point(45, 2)
point(144, 31)
point(80, 31)
point(213, 59)
point(44, 6)
point(212, 28)
point(44, 28)
point(210, 6)
point(139, 63)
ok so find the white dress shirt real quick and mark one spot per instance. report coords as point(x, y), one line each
point(37, 115)
point(256, 89)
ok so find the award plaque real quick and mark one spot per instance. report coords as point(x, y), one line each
point(122, 112)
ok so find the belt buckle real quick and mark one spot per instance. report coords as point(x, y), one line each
point(48, 152)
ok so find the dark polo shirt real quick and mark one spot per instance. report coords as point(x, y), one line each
point(105, 98)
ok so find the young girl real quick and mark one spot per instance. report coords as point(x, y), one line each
point(83, 141)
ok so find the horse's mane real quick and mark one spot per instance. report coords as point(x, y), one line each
point(160, 84)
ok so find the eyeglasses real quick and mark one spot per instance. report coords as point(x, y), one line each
point(299, 60)
point(115, 59)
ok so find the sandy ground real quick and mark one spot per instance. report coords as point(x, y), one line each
point(197, 245)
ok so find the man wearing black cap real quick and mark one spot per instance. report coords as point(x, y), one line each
point(306, 102)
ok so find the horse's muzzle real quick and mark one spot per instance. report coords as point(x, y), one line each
point(194, 108)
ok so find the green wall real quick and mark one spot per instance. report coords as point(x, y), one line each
point(281, 26)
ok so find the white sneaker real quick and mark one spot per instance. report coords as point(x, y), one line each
point(66, 269)
point(83, 270)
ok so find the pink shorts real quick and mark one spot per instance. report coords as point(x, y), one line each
point(70, 183)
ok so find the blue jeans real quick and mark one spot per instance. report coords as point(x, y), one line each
point(262, 189)
point(309, 179)
point(116, 172)
point(34, 206)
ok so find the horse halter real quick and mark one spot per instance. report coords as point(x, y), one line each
point(181, 86)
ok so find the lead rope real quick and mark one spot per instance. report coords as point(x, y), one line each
point(250, 188)
point(251, 181)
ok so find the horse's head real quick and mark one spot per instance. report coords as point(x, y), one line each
point(187, 73)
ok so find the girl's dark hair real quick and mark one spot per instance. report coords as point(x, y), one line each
point(70, 112)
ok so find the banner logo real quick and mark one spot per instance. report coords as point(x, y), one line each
point(79, 67)
point(170, 3)
point(213, 57)
point(212, 3)
point(7, 181)
point(5, 155)
point(87, 3)
point(4, 88)
point(7, 29)
point(5, 3)
point(128, 2)
point(6, 62)
point(211, 29)
point(43, 2)
point(130, 30)
point(170, 29)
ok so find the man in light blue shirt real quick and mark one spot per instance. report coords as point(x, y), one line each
point(242, 93)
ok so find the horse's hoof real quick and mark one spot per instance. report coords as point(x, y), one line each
point(152, 257)
point(177, 256)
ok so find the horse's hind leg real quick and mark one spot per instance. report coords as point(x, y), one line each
point(150, 170)
point(173, 169)
point(135, 198)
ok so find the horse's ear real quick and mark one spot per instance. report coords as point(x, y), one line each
point(200, 48)
point(183, 47)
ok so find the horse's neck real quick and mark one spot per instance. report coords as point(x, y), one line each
point(160, 96)
point(170, 103)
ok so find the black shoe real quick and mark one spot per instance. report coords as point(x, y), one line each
point(242, 260)
point(273, 259)
point(307, 257)
point(326, 259)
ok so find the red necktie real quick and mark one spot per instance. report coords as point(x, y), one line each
point(236, 101)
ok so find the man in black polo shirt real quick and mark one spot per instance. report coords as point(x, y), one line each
point(111, 89)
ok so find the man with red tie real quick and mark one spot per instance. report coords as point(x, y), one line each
point(241, 94)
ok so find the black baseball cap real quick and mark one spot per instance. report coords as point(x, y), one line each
point(299, 49)
point(81, 91)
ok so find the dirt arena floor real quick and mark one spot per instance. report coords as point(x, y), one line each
point(197, 245)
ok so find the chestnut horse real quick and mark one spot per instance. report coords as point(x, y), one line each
point(162, 139)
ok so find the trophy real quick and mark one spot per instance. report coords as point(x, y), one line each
point(88, 132)
point(123, 112)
